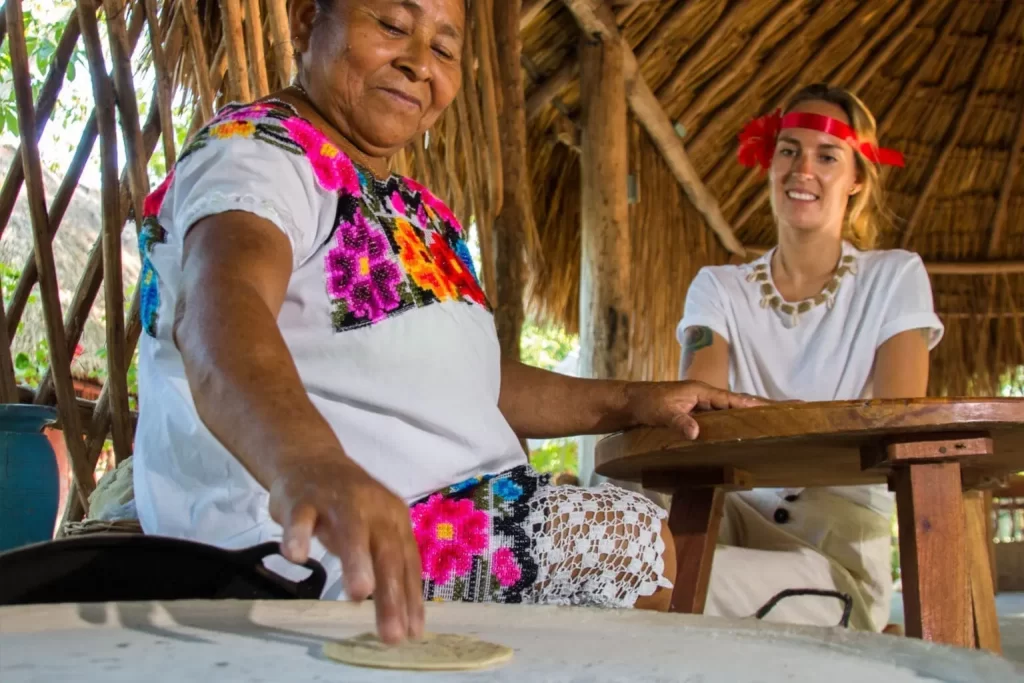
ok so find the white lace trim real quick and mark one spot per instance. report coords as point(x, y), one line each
point(219, 202)
point(597, 547)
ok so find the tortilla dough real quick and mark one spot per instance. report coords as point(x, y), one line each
point(436, 652)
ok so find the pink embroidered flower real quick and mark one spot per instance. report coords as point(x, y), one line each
point(333, 169)
point(253, 111)
point(397, 203)
point(152, 204)
point(505, 567)
point(360, 272)
point(439, 207)
point(449, 533)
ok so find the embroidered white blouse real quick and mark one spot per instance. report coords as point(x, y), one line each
point(821, 349)
point(384, 318)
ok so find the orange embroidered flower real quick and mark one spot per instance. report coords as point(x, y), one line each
point(418, 263)
point(232, 129)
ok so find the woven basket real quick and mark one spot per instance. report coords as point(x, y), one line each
point(94, 526)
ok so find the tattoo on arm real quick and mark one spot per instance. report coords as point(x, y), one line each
point(695, 339)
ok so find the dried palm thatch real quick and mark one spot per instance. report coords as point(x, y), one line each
point(946, 78)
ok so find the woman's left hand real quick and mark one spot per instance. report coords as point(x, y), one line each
point(669, 404)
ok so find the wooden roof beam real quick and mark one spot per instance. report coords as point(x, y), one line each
point(652, 117)
point(953, 138)
point(995, 240)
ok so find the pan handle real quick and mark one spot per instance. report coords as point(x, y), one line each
point(310, 588)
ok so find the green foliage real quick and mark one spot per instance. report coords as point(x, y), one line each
point(545, 347)
point(42, 31)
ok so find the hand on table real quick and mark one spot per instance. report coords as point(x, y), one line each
point(362, 523)
point(669, 404)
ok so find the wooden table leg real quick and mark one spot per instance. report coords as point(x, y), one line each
point(933, 554)
point(983, 600)
point(694, 520)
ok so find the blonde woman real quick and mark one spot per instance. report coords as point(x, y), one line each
point(821, 316)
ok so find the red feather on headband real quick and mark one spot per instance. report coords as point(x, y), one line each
point(757, 140)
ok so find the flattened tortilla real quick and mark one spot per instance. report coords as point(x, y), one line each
point(436, 652)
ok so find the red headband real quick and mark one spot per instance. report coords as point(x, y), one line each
point(758, 139)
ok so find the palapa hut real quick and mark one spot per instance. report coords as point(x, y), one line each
point(612, 193)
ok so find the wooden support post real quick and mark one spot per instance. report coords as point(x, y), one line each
point(605, 238)
point(277, 15)
point(254, 39)
point(604, 161)
point(694, 519)
point(986, 621)
point(234, 38)
point(933, 553)
point(515, 221)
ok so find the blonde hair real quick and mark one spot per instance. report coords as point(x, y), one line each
point(866, 212)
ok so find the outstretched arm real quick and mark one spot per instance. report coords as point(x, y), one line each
point(540, 404)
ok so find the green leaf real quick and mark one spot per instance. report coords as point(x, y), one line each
point(22, 362)
point(12, 124)
point(72, 72)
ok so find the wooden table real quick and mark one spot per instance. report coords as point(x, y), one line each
point(928, 450)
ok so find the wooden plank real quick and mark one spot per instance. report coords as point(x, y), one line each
point(651, 115)
point(234, 37)
point(113, 291)
point(939, 449)
point(514, 223)
point(986, 621)
point(954, 134)
point(44, 108)
point(727, 478)
point(60, 359)
point(254, 39)
point(933, 553)
point(694, 520)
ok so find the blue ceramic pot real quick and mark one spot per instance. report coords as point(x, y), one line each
point(29, 482)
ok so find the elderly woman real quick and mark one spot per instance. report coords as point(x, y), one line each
point(823, 316)
point(319, 356)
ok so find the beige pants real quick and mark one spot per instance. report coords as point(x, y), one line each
point(819, 541)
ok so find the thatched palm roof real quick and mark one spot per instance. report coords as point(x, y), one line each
point(945, 78)
point(79, 231)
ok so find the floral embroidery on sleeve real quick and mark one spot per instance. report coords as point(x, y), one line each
point(151, 234)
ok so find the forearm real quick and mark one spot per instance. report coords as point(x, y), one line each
point(244, 383)
point(539, 404)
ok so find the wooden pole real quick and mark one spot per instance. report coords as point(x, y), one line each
point(199, 62)
point(652, 117)
point(234, 37)
point(113, 291)
point(277, 14)
point(605, 236)
point(515, 220)
point(254, 37)
point(60, 359)
point(8, 386)
point(164, 87)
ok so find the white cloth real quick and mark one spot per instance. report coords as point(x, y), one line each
point(829, 353)
point(822, 351)
point(412, 397)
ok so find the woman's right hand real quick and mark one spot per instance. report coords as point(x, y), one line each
point(362, 523)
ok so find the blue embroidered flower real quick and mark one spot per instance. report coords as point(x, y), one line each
point(152, 233)
point(462, 251)
point(508, 489)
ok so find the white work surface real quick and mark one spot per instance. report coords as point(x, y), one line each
point(268, 642)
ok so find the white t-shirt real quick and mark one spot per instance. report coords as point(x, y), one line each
point(383, 316)
point(822, 349)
